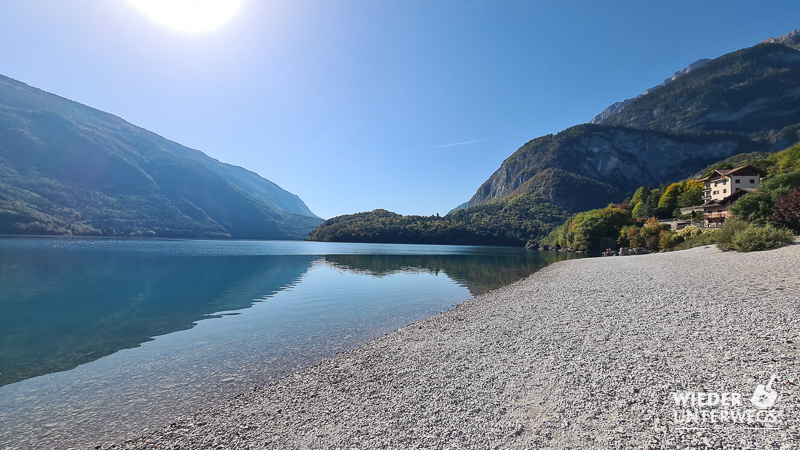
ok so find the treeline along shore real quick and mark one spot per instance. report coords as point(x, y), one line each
point(593, 352)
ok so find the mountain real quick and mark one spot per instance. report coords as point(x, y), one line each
point(588, 166)
point(752, 91)
point(66, 168)
point(745, 101)
point(790, 40)
point(618, 106)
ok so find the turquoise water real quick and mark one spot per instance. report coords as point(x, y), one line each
point(102, 339)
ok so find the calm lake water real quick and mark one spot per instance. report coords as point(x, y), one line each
point(103, 339)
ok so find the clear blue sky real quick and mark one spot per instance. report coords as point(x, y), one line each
point(407, 105)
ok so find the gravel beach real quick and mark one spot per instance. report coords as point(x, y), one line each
point(586, 353)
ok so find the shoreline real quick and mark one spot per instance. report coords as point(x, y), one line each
point(582, 353)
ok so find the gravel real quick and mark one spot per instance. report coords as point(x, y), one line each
point(584, 353)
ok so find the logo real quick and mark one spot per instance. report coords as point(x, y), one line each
point(699, 409)
point(764, 397)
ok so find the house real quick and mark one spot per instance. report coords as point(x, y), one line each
point(723, 187)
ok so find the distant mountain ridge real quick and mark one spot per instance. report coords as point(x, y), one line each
point(618, 106)
point(744, 101)
point(66, 168)
point(791, 39)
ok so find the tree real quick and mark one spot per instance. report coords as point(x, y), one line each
point(669, 200)
point(651, 233)
point(757, 207)
point(640, 195)
point(640, 211)
point(668, 240)
point(692, 194)
point(787, 210)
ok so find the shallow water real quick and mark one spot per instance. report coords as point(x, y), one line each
point(103, 339)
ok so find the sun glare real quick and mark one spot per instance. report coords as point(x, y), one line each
point(189, 15)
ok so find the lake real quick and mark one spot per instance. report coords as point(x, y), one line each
point(103, 339)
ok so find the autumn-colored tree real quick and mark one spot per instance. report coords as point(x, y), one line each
point(650, 233)
point(667, 240)
point(629, 237)
point(787, 210)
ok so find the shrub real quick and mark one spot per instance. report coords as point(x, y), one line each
point(743, 236)
point(705, 238)
point(728, 231)
point(668, 240)
point(690, 232)
point(756, 238)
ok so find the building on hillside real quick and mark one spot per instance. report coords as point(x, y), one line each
point(723, 187)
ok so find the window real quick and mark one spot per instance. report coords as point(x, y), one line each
point(715, 193)
point(715, 184)
point(738, 181)
point(724, 191)
point(752, 181)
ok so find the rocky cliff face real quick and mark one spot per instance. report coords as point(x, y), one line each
point(791, 39)
point(609, 159)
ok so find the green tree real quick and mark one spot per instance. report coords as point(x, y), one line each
point(640, 195)
point(692, 194)
point(669, 200)
point(757, 207)
point(640, 211)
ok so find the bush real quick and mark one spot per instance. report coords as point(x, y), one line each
point(690, 232)
point(728, 231)
point(742, 236)
point(708, 237)
point(756, 238)
point(668, 240)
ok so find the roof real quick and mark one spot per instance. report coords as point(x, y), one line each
point(741, 171)
point(727, 200)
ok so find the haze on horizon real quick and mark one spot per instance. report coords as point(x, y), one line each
point(357, 105)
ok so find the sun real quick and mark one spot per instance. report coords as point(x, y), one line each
point(189, 15)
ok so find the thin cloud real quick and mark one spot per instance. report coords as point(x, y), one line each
point(455, 144)
point(216, 142)
point(417, 150)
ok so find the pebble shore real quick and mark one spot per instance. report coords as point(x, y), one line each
point(583, 354)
